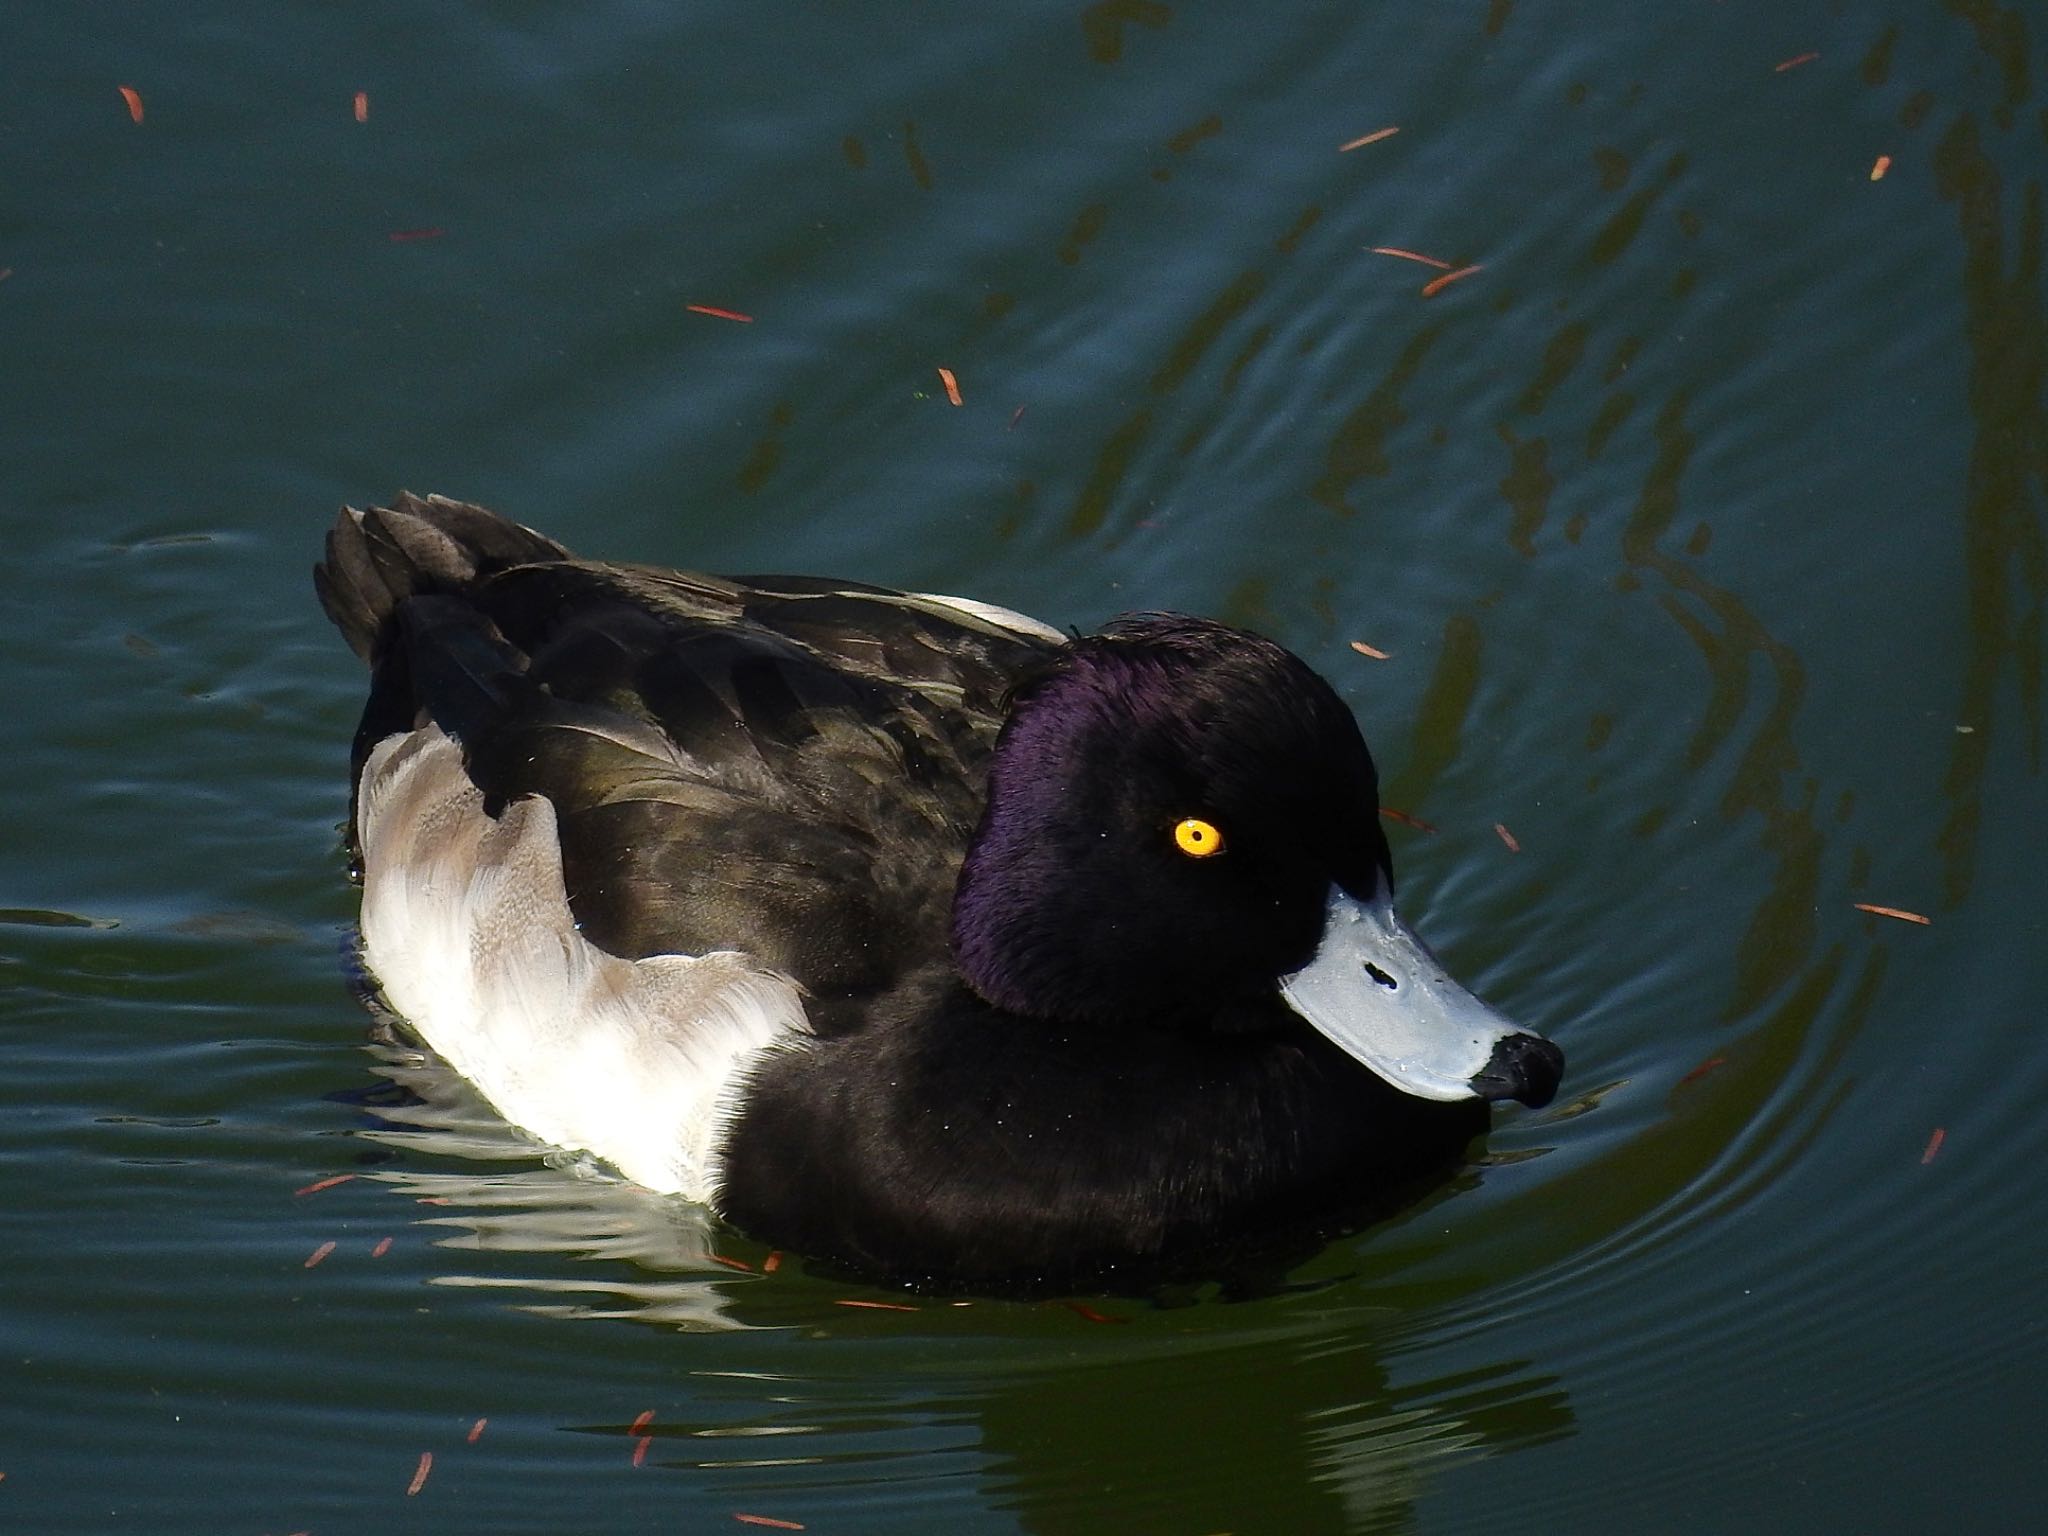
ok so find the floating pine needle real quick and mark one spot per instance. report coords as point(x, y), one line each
point(317, 1185)
point(876, 1306)
point(1082, 1310)
point(404, 236)
point(134, 99)
point(318, 1254)
point(768, 1520)
point(772, 1263)
point(641, 1420)
point(640, 1450)
point(1405, 819)
point(1437, 285)
point(431, 1200)
point(1883, 164)
point(739, 1264)
point(419, 1477)
point(952, 385)
point(1933, 1146)
point(1016, 416)
point(1370, 650)
point(1371, 138)
point(383, 1247)
point(1898, 912)
point(1507, 837)
point(1703, 1069)
point(719, 314)
point(476, 1431)
point(1395, 250)
point(1794, 62)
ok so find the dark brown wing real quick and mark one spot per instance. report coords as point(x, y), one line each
point(783, 766)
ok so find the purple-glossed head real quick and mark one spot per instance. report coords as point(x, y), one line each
point(1183, 825)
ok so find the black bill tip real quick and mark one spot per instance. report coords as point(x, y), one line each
point(1523, 1067)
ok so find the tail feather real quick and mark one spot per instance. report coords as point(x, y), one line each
point(378, 558)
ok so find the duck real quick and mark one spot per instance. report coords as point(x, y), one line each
point(905, 932)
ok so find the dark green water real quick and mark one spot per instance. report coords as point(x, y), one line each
point(1704, 525)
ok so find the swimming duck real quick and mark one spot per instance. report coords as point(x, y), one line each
point(903, 931)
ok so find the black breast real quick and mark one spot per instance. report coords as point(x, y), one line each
point(958, 1147)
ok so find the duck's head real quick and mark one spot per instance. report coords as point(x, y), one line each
point(1182, 827)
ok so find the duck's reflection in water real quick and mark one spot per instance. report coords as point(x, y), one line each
point(653, 1254)
point(1281, 1415)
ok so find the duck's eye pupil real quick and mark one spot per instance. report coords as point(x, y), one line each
point(1196, 838)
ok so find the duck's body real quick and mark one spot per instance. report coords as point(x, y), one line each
point(671, 867)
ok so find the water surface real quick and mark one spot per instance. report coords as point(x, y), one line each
point(1703, 526)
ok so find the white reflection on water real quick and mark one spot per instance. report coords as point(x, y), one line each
point(569, 1205)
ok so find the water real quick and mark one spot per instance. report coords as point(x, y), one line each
point(1703, 525)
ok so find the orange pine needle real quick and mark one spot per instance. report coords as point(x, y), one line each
point(1507, 837)
point(641, 1420)
point(1794, 62)
point(1370, 650)
point(1427, 261)
point(476, 1431)
point(1883, 164)
point(739, 1264)
point(317, 1185)
point(419, 1478)
point(1898, 912)
point(1933, 1146)
point(362, 106)
point(876, 1306)
point(383, 1247)
point(1431, 289)
point(1405, 819)
point(772, 1263)
point(1082, 1310)
point(952, 385)
point(719, 314)
point(134, 99)
point(1703, 1069)
point(768, 1520)
point(318, 1254)
point(1371, 138)
point(640, 1450)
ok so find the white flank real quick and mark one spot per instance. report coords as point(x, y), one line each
point(466, 925)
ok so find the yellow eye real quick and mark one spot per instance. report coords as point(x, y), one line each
point(1198, 839)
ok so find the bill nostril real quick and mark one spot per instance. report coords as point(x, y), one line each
point(1382, 977)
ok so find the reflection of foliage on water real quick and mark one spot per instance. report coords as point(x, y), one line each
point(2004, 547)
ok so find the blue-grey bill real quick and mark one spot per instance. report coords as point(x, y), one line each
point(1375, 989)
